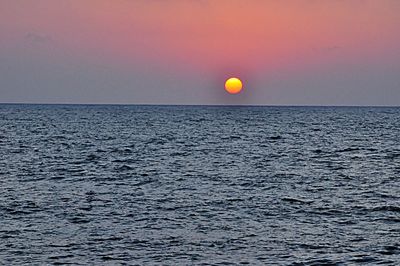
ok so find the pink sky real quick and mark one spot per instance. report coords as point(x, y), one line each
point(174, 51)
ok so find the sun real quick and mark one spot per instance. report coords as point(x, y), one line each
point(233, 85)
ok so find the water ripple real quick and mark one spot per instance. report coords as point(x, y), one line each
point(199, 185)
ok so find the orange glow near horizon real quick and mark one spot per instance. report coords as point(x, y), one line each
point(233, 85)
point(297, 52)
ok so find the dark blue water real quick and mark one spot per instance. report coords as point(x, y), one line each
point(199, 185)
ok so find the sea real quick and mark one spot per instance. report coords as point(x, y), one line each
point(199, 185)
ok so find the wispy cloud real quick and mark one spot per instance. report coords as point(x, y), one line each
point(34, 37)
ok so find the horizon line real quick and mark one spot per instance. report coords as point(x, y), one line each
point(199, 105)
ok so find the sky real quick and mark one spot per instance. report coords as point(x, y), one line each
point(286, 52)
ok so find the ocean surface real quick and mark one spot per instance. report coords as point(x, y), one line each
point(187, 185)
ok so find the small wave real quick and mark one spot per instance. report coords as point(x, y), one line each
point(92, 157)
point(106, 239)
point(317, 151)
point(318, 262)
point(156, 141)
point(349, 149)
point(79, 220)
point(124, 168)
point(386, 208)
point(59, 257)
point(312, 246)
point(390, 250)
point(363, 259)
point(275, 137)
point(393, 155)
point(294, 200)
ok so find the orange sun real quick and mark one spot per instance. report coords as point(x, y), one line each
point(233, 85)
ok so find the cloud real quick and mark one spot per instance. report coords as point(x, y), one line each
point(37, 38)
